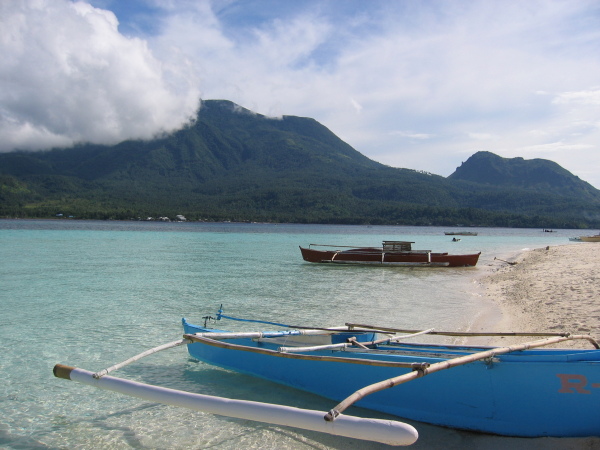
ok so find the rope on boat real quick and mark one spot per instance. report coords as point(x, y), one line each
point(140, 356)
point(220, 316)
point(419, 372)
point(405, 336)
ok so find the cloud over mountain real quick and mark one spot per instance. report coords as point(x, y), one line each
point(67, 75)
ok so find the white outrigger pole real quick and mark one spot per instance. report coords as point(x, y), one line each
point(378, 430)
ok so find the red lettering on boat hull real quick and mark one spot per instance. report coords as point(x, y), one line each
point(572, 383)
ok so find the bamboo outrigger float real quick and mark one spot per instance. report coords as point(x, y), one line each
point(513, 390)
point(383, 431)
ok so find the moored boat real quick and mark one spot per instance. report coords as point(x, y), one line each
point(521, 390)
point(595, 238)
point(391, 253)
point(460, 233)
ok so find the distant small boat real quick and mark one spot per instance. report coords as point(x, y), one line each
point(391, 253)
point(460, 233)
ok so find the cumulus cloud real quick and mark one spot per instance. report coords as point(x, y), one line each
point(589, 97)
point(67, 75)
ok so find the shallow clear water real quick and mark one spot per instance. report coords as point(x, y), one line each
point(91, 294)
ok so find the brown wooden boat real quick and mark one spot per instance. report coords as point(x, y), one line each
point(391, 253)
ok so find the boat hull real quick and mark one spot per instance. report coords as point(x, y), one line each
point(590, 238)
point(459, 233)
point(532, 393)
point(376, 256)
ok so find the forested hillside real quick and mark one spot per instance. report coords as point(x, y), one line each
point(233, 164)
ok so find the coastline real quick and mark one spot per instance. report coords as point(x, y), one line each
point(552, 289)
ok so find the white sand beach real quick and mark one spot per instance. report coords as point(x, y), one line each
point(553, 289)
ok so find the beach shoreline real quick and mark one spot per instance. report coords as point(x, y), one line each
point(552, 289)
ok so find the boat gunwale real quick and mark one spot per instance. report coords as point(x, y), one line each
point(423, 354)
point(366, 362)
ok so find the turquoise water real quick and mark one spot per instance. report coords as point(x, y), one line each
point(91, 294)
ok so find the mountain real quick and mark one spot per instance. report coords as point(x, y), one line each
point(536, 174)
point(233, 164)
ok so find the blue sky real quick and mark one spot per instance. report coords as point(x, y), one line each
point(415, 84)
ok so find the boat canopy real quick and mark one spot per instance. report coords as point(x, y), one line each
point(397, 246)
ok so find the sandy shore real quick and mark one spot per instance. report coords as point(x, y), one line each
point(554, 289)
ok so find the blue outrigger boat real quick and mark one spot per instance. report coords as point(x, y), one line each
point(519, 390)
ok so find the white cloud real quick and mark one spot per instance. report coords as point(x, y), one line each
point(590, 97)
point(357, 106)
point(411, 135)
point(552, 147)
point(68, 75)
point(481, 136)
